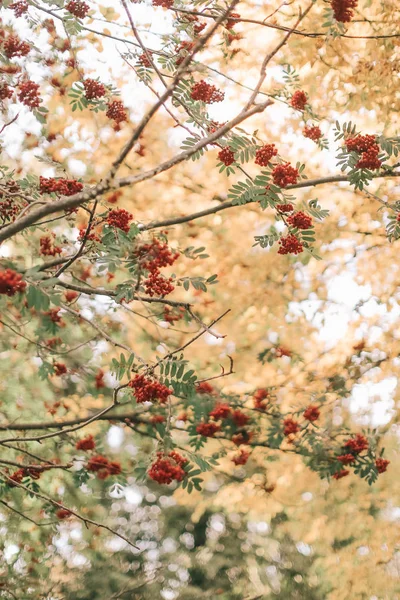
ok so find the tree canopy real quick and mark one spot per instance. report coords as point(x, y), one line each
point(199, 295)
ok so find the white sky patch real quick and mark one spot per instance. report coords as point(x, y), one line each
point(372, 403)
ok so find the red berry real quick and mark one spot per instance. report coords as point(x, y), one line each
point(284, 175)
point(299, 100)
point(313, 133)
point(241, 458)
point(221, 411)
point(311, 413)
point(148, 390)
point(264, 154)
point(208, 429)
point(290, 426)
point(77, 8)
point(119, 218)
point(166, 469)
point(93, 89)
point(28, 94)
point(11, 282)
point(206, 92)
point(290, 245)
point(343, 9)
point(226, 156)
point(300, 220)
point(163, 3)
point(341, 473)
point(86, 443)
point(357, 444)
point(382, 464)
point(13, 46)
point(116, 111)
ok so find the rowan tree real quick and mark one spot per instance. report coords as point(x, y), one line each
point(183, 187)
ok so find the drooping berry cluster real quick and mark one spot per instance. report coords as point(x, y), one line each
point(149, 390)
point(382, 465)
point(221, 411)
point(311, 413)
point(77, 8)
point(119, 218)
point(226, 156)
point(198, 28)
point(47, 247)
point(367, 146)
point(167, 468)
point(290, 245)
point(157, 285)
point(55, 317)
point(284, 208)
point(28, 94)
point(103, 467)
point(343, 9)
point(264, 154)
point(284, 175)
point(356, 444)
point(241, 458)
point(300, 220)
point(313, 133)
point(163, 3)
point(144, 59)
point(93, 89)
point(65, 187)
point(261, 399)
point(70, 295)
point(155, 255)
point(171, 317)
point(369, 160)
point(299, 100)
point(290, 426)
point(63, 513)
point(13, 46)
point(5, 91)
point(86, 443)
point(116, 111)
point(204, 388)
point(19, 8)
point(11, 282)
point(208, 429)
point(206, 92)
point(59, 369)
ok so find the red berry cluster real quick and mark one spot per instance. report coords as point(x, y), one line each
point(357, 444)
point(93, 89)
point(155, 419)
point(155, 255)
point(119, 218)
point(197, 29)
point(170, 317)
point(86, 443)
point(226, 156)
point(240, 418)
point(54, 316)
point(144, 59)
point(77, 8)
point(261, 399)
point(381, 464)
point(290, 245)
point(300, 220)
point(11, 283)
point(19, 8)
point(221, 411)
point(208, 429)
point(204, 388)
point(65, 187)
point(5, 91)
point(59, 369)
point(369, 160)
point(103, 467)
point(281, 351)
point(231, 24)
point(346, 459)
point(299, 100)
point(157, 285)
point(206, 92)
point(148, 390)
point(19, 475)
point(70, 295)
point(340, 474)
point(284, 175)
point(99, 379)
point(311, 413)
point(13, 46)
point(63, 513)
point(182, 50)
point(343, 9)
point(214, 126)
point(89, 237)
point(313, 133)
point(28, 94)
point(368, 148)
point(243, 437)
point(167, 468)
point(284, 208)
point(163, 3)
point(264, 154)
point(290, 426)
point(241, 458)
point(116, 111)
point(47, 247)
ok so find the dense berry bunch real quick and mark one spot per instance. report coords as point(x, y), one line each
point(5, 91)
point(300, 220)
point(171, 317)
point(206, 92)
point(343, 9)
point(47, 247)
point(59, 369)
point(119, 218)
point(86, 443)
point(261, 399)
point(65, 187)
point(226, 156)
point(284, 208)
point(70, 295)
point(149, 390)
point(155, 255)
point(198, 28)
point(381, 464)
point(369, 160)
point(93, 89)
point(299, 100)
point(313, 133)
point(311, 413)
point(157, 285)
point(361, 143)
point(357, 444)
point(290, 426)
point(264, 154)
point(240, 418)
point(221, 411)
point(231, 24)
point(284, 175)
point(11, 282)
point(290, 245)
point(28, 94)
point(77, 8)
point(13, 46)
point(163, 3)
point(103, 467)
point(341, 473)
point(168, 468)
point(208, 429)
point(144, 59)
point(54, 316)
point(19, 8)
point(241, 458)
point(116, 111)
point(346, 459)
point(204, 388)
